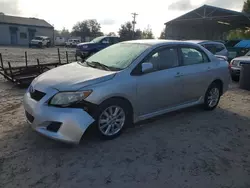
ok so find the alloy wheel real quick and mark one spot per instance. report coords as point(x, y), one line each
point(111, 120)
point(213, 97)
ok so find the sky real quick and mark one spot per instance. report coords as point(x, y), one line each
point(109, 13)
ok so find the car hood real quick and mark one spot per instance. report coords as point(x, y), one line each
point(36, 41)
point(71, 77)
point(89, 44)
point(84, 43)
point(243, 58)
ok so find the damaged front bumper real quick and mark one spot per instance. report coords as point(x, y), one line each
point(63, 124)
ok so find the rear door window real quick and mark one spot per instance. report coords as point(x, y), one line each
point(192, 56)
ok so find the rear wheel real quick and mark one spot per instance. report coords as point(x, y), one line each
point(112, 117)
point(212, 96)
point(235, 78)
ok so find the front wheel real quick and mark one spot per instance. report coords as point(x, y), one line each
point(112, 117)
point(48, 45)
point(212, 96)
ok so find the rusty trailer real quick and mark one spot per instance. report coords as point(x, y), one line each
point(24, 74)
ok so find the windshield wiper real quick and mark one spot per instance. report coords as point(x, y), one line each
point(96, 64)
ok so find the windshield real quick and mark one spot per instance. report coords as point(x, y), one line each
point(248, 53)
point(98, 39)
point(38, 38)
point(118, 56)
point(236, 52)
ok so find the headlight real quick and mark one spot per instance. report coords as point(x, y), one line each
point(66, 98)
point(235, 63)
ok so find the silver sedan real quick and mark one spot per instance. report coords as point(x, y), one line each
point(123, 84)
point(236, 65)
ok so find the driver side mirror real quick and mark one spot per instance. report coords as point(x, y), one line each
point(146, 67)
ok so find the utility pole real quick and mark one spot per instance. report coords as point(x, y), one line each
point(133, 23)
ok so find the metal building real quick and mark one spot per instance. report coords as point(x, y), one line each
point(19, 30)
point(206, 23)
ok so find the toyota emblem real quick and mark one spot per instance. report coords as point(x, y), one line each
point(32, 90)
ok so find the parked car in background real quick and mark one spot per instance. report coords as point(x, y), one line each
point(72, 42)
point(124, 83)
point(86, 49)
point(40, 41)
point(60, 41)
point(235, 65)
point(235, 52)
point(216, 48)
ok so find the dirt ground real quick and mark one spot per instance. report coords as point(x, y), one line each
point(185, 149)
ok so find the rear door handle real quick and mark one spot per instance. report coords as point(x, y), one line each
point(178, 74)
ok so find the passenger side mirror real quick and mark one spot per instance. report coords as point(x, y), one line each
point(146, 67)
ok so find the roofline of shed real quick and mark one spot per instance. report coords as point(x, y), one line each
point(26, 25)
point(217, 8)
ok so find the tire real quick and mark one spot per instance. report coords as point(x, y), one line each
point(40, 45)
point(119, 124)
point(235, 78)
point(211, 102)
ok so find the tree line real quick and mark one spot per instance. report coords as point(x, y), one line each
point(241, 33)
point(91, 28)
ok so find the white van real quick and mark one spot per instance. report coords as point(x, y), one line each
point(60, 41)
point(72, 42)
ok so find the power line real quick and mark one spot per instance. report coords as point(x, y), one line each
point(134, 22)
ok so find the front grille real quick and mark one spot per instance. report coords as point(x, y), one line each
point(37, 95)
point(29, 117)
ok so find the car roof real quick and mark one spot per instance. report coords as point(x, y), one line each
point(196, 41)
point(153, 42)
point(204, 42)
point(243, 44)
point(44, 37)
